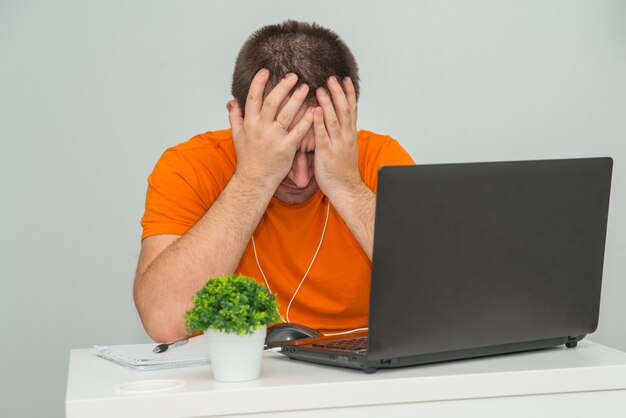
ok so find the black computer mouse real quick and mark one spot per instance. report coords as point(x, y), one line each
point(288, 331)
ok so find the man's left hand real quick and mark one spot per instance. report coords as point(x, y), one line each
point(336, 153)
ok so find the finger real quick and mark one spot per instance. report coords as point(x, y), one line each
point(342, 108)
point(351, 93)
point(276, 97)
point(302, 127)
point(254, 100)
point(322, 139)
point(330, 118)
point(235, 117)
point(288, 112)
point(308, 142)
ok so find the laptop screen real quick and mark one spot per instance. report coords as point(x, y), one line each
point(482, 254)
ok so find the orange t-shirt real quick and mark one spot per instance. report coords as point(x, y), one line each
point(335, 294)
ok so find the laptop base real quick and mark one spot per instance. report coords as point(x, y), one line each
point(362, 362)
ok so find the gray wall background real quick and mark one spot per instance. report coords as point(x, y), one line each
point(91, 93)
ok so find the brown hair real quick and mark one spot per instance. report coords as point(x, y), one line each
point(312, 52)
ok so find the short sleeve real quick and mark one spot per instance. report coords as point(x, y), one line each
point(186, 181)
point(376, 151)
point(173, 202)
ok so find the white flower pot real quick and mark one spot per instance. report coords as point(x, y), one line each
point(234, 357)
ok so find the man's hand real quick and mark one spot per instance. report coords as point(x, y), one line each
point(265, 149)
point(336, 153)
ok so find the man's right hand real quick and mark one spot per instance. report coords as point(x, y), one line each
point(265, 148)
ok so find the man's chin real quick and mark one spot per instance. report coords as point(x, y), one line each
point(294, 197)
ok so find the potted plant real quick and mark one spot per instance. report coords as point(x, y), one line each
point(233, 312)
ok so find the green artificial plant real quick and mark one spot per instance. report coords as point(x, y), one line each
point(234, 304)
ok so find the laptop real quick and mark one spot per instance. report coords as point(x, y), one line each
point(478, 259)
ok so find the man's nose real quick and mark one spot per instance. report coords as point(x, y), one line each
point(300, 172)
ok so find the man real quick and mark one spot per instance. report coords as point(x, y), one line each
point(286, 195)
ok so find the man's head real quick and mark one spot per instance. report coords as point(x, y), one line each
point(313, 53)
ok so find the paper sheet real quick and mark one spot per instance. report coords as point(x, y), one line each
point(141, 357)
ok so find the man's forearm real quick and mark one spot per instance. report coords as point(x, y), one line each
point(213, 246)
point(357, 208)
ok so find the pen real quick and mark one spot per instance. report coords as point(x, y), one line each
point(161, 348)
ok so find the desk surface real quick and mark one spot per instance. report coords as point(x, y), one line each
point(289, 385)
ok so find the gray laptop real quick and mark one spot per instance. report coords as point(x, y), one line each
point(478, 259)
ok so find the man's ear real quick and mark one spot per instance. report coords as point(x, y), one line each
point(234, 116)
point(234, 104)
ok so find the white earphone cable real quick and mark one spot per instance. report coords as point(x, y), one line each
point(346, 332)
point(293, 297)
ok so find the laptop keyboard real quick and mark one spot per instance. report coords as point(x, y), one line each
point(346, 344)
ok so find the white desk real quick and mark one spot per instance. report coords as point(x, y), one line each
point(557, 382)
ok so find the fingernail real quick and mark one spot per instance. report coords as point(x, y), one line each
point(332, 79)
point(291, 77)
point(322, 91)
point(264, 72)
point(347, 80)
point(303, 87)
